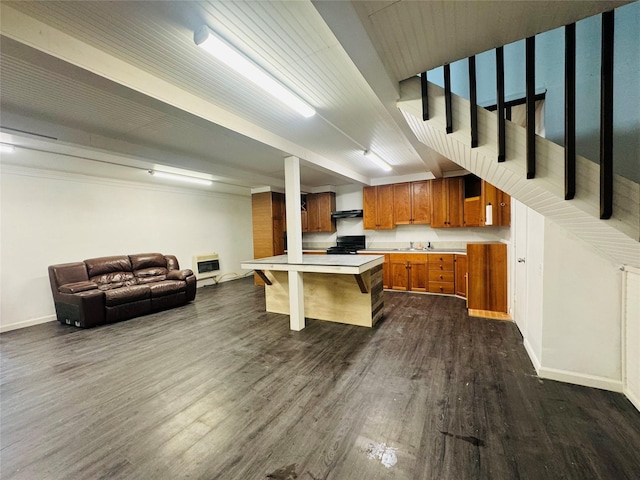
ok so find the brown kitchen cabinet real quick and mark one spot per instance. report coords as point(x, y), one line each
point(447, 202)
point(377, 208)
point(269, 224)
point(460, 262)
point(500, 203)
point(319, 207)
point(386, 272)
point(472, 216)
point(408, 272)
point(441, 273)
point(412, 203)
point(487, 276)
point(304, 217)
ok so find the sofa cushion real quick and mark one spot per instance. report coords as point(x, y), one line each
point(126, 294)
point(168, 287)
point(141, 261)
point(102, 265)
point(111, 280)
point(151, 274)
point(77, 287)
point(179, 274)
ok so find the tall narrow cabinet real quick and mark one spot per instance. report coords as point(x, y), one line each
point(487, 276)
point(269, 224)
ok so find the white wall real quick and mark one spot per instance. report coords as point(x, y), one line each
point(349, 197)
point(535, 283)
point(582, 313)
point(631, 329)
point(52, 217)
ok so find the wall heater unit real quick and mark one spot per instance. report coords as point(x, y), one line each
point(206, 266)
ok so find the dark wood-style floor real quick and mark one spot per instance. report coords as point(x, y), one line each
point(219, 389)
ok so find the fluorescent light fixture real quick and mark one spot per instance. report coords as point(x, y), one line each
point(212, 43)
point(180, 178)
point(7, 148)
point(377, 160)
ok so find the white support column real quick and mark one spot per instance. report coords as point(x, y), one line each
point(294, 241)
point(294, 219)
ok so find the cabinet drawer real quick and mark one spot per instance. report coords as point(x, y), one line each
point(441, 287)
point(440, 257)
point(438, 266)
point(440, 276)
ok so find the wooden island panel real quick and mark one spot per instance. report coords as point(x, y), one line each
point(331, 297)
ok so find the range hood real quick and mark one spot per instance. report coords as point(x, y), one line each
point(347, 214)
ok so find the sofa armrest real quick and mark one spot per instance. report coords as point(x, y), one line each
point(83, 309)
point(78, 287)
point(179, 274)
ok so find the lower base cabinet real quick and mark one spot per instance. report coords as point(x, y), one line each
point(433, 273)
point(441, 273)
point(461, 275)
point(487, 277)
point(408, 272)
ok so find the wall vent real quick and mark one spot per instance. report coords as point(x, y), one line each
point(206, 266)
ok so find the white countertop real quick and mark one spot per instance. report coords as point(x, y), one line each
point(349, 264)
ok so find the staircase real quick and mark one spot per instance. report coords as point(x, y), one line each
point(616, 238)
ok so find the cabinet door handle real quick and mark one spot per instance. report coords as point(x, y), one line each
point(441, 277)
point(521, 260)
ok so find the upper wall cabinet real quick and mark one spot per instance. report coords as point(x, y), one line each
point(473, 215)
point(319, 208)
point(412, 203)
point(500, 205)
point(447, 202)
point(378, 207)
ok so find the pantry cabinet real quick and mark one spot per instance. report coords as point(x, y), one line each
point(269, 224)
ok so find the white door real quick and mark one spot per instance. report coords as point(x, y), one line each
point(520, 220)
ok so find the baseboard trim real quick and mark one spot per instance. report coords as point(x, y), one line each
point(27, 323)
point(632, 398)
point(585, 380)
point(532, 356)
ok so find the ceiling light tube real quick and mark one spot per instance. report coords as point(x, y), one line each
point(212, 43)
point(7, 148)
point(377, 160)
point(180, 178)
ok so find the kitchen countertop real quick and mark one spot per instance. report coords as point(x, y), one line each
point(394, 250)
point(349, 264)
point(415, 250)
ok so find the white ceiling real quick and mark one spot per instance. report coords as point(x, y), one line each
point(127, 78)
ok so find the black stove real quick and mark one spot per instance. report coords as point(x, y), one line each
point(348, 245)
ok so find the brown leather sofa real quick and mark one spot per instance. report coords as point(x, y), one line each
point(110, 289)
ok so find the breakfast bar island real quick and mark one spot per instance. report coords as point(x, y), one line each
point(337, 288)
